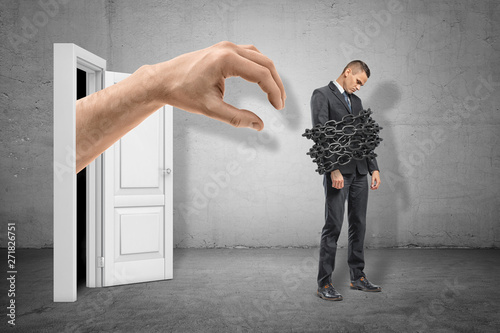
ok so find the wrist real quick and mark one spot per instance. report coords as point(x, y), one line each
point(153, 80)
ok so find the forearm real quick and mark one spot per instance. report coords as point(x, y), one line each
point(373, 165)
point(105, 116)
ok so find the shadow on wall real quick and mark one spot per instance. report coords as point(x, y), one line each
point(188, 127)
point(386, 98)
point(246, 95)
point(291, 116)
point(393, 201)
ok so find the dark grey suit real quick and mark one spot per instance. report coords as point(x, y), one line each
point(327, 103)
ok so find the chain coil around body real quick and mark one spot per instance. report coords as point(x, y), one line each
point(338, 142)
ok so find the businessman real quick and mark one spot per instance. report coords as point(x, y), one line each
point(346, 182)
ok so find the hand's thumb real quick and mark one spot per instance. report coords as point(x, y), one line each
point(239, 117)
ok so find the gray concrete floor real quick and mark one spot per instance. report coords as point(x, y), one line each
point(272, 290)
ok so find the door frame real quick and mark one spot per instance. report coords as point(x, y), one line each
point(67, 58)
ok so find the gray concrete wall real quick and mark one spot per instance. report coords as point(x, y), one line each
point(27, 33)
point(435, 75)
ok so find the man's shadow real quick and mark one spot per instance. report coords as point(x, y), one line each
point(393, 198)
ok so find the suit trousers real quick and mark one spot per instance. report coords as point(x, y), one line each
point(355, 190)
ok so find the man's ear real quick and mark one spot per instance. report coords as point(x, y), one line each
point(347, 72)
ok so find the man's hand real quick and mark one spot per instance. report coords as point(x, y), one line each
point(194, 82)
point(375, 180)
point(337, 179)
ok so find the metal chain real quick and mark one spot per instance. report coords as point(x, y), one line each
point(338, 142)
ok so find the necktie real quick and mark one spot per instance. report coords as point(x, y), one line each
point(347, 100)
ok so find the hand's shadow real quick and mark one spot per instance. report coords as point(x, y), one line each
point(243, 95)
point(291, 115)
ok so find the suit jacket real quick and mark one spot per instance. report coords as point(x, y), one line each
point(327, 103)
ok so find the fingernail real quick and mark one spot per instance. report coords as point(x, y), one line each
point(255, 126)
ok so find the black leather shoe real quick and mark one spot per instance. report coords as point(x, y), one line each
point(329, 293)
point(363, 284)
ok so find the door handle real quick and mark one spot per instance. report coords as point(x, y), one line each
point(167, 171)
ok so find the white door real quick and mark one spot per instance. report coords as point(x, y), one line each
point(137, 201)
point(135, 242)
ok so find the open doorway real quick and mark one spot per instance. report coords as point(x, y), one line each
point(81, 198)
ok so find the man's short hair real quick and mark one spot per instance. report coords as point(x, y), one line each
point(356, 66)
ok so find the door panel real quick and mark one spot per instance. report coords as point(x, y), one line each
point(140, 157)
point(139, 231)
point(137, 206)
point(139, 246)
